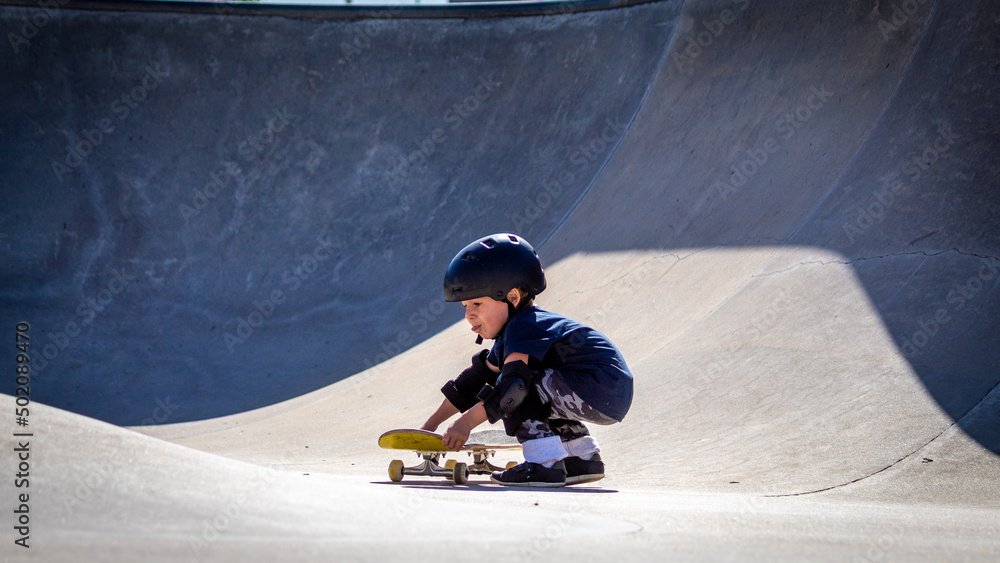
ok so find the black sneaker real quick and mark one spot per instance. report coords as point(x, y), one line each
point(530, 474)
point(579, 470)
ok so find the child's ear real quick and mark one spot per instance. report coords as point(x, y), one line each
point(514, 296)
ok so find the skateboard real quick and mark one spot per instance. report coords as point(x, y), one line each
point(429, 446)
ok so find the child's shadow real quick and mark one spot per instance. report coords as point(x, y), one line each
point(487, 487)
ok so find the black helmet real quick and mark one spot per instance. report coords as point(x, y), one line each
point(491, 267)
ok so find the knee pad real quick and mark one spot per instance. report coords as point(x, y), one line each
point(532, 408)
point(510, 392)
point(504, 400)
point(515, 398)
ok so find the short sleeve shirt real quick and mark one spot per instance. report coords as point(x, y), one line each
point(589, 362)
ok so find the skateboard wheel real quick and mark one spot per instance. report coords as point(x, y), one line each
point(510, 465)
point(460, 474)
point(396, 470)
point(450, 464)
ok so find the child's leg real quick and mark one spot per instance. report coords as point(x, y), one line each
point(540, 442)
point(563, 433)
point(568, 410)
point(566, 404)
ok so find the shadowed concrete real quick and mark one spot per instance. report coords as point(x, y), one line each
point(785, 214)
point(272, 200)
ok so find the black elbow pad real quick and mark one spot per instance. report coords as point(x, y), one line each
point(515, 398)
point(462, 390)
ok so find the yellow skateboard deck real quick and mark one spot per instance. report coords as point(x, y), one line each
point(429, 446)
point(415, 440)
point(424, 441)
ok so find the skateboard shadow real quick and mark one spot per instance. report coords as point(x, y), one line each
point(486, 486)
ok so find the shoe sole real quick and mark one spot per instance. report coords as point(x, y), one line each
point(581, 479)
point(536, 484)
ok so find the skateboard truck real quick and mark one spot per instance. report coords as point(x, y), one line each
point(452, 469)
point(429, 447)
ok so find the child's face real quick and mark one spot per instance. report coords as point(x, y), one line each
point(486, 316)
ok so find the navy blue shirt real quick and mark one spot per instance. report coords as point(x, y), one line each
point(589, 362)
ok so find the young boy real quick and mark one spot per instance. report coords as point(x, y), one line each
point(544, 377)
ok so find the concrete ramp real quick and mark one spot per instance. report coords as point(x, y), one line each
point(821, 299)
point(222, 211)
point(786, 214)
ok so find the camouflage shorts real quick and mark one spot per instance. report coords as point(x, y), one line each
point(569, 412)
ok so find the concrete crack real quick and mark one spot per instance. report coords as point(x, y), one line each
point(872, 474)
point(641, 264)
point(879, 257)
point(905, 457)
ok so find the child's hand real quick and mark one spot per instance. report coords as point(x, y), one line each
point(443, 413)
point(457, 435)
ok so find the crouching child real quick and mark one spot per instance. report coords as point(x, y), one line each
point(545, 376)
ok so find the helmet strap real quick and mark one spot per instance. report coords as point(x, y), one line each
point(511, 309)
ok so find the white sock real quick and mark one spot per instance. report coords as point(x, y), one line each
point(584, 447)
point(544, 450)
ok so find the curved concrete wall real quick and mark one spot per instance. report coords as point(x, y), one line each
point(220, 212)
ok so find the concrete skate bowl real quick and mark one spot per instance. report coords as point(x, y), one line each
point(785, 213)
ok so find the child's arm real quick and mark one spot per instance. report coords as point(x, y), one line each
point(443, 413)
point(460, 395)
point(516, 357)
point(458, 433)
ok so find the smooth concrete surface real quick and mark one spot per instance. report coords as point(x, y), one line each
point(786, 214)
point(134, 498)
